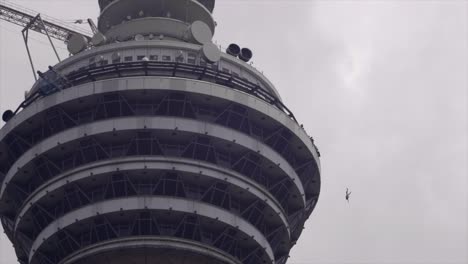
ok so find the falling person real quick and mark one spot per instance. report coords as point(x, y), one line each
point(348, 193)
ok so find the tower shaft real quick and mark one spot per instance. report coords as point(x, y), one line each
point(151, 145)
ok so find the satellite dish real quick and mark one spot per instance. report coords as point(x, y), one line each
point(210, 52)
point(139, 37)
point(77, 43)
point(98, 39)
point(200, 32)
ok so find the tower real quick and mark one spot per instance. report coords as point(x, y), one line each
point(150, 145)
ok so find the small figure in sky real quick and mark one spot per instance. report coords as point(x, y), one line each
point(78, 21)
point(348, 193)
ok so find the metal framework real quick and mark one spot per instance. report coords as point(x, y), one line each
point(29, 21)
point(155, 68)
point(116, 105)
point(150, 224)
point(23, 17)
point(36, 22)
point(200, 148)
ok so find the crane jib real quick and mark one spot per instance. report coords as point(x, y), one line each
point(21, 16)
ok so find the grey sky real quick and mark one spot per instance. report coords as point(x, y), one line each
point(380, 85)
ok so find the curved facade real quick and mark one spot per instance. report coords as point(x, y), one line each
point(152, 146)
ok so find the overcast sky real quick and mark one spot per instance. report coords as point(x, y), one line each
point(382, 88)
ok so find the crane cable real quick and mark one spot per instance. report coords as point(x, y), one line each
point(30, 37)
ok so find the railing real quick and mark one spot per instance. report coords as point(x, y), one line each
point(168, 69)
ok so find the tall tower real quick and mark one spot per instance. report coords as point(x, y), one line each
point(150, 145)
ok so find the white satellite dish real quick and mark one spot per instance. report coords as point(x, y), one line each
point(77, 43)
point(200, 33)
point(211, 52)
point(139, 37)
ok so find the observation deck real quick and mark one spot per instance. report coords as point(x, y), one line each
point(208, 4)
point(151, 149)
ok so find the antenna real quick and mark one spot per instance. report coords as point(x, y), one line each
point(93, 26)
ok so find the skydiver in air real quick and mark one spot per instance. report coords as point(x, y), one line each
point(348, 193)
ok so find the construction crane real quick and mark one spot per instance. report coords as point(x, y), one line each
point(27, 18)
point(31, 20)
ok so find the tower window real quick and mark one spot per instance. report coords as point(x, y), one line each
point(180, 59)
point(128, 58)
point(191, 58)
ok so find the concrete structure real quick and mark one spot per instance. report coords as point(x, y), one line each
point(150, 145)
